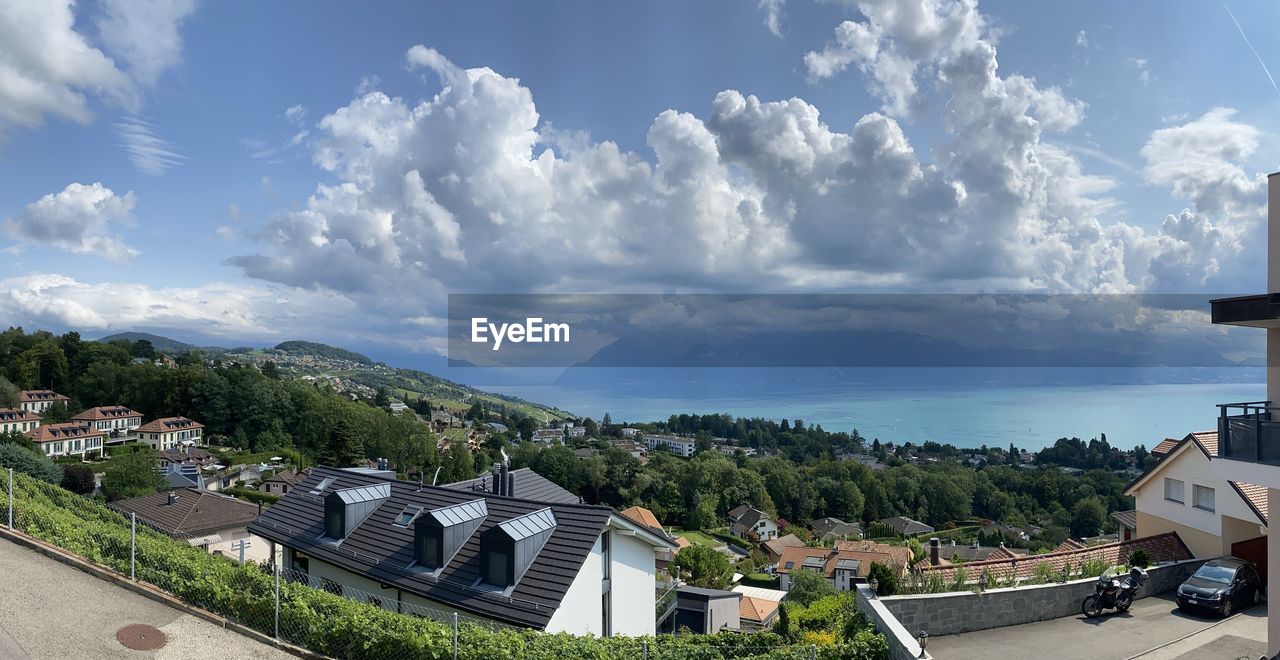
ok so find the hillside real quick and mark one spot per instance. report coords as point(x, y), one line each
point(163, 344)
point(298, 346)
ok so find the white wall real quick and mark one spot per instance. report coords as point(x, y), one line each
point(258, 550)
point(581, 610)
point(1192, 467)
point(634, 597)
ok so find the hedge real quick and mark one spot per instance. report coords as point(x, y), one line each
point(345, 628)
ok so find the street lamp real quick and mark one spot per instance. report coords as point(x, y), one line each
point(923, 638)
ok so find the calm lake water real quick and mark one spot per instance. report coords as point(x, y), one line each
point(1029, 416)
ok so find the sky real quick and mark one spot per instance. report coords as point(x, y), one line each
point(247, 173)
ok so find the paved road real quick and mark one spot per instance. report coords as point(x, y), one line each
point(1150, 623)
point(50, 610)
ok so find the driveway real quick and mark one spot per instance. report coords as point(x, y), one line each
point(51, 610)
point(1153, 629)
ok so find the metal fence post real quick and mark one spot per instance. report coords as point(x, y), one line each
point(644, 649)
point(11, 499)
point(277, 563)
point(133, 546)
point(813, 652)
point(455, 636)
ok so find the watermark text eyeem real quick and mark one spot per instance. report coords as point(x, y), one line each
point(532, 331)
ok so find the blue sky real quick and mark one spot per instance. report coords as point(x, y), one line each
point(1128, 112)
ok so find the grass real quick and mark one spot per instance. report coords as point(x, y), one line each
point(697, 538)
point(763, 580)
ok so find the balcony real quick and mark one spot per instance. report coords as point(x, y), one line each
point(1249, 432)
point(1260, 311)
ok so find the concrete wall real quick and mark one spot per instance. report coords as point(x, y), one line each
point(1235, 530)
point(582, 611)
point(633, 589)
point(1199, 542)
point(902, 640)
point(258, 550)
point(950, 613)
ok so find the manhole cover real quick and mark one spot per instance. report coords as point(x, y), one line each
point(140, 638)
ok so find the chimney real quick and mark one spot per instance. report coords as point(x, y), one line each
point(172, 497)
point(935, 548)
point(259, 507)
point(511, 485)
point(496, 474)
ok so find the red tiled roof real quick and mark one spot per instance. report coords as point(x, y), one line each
point(1164, 447)
point(28, 396)
point(64, 431)
point(900, 554)
point(1160, 548)
point(106, 412)
point(641, 516)
point(169, 424)
point(1208, 440)
point(776, 546)
point(758, 610)
point(1069, 544)
point(11, 415)
point(1255, 497)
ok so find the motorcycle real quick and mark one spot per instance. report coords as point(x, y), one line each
point(1114, 592)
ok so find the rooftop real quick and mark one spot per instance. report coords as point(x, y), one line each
point(529, 485)
point(1161, 547)
point(168, 424)
point(192, 512)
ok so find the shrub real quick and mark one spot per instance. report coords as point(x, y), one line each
point(1093, 567)
point(78, 479)
point(886, 579)
point(25, 461)
point(251, 495)
point(1139, 558)
point(807, 586)
point(131, 475)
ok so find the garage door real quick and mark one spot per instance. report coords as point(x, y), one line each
point(1255, 550)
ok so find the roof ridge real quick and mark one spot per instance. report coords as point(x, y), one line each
point(414, 484)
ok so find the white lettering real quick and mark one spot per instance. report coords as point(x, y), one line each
point(532, 331)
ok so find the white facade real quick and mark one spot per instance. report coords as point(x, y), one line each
point(18, 421)
point(229, 544)
point(160, 437)
point(676, 445)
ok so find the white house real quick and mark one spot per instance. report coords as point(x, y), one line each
point(18, 421)
point(559, 567)
point(169, 432)
point(751, 523)
point(119, 421)
point(1183, 493)
point(674, 444)
point(38, 401)
point(67, 439)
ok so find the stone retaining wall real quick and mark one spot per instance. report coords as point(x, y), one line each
point(966, 611)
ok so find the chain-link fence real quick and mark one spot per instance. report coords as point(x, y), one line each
point(289, 605)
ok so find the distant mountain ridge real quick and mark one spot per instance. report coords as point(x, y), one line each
point(163, 344)
point(323, 350)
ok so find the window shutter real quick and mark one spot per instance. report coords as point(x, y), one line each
point(1173, 490)
point(1202, 497)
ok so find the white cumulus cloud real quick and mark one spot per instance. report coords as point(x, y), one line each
point(78, 219)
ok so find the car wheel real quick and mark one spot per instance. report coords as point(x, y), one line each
point(1226, 608)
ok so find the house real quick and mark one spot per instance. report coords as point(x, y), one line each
point(280, 483)
point(844, 567)
point(577, 431)
point(1127, 522)
point(398, 407)
point(38, 401)
point(1160, 548)
point(14, 420)
point(1163, 448)
point(217, 523)
point(441, 420)
point(644, 517)
point(524, 483)
point(119, 421)
point(183, 475)
point(574, 568)
point(185, 454)
point(773, 548)
point(169, 432)
point(585, 452)
point(629, 432)
point(746, 522)
point(706, 611)
point(548, 436)
point(906, 526)
point(831, 529)
point(946, 554)
point(1183, 493)
point(679, 446)
point(165, 362)
point(67, 439)
point(636, 449)
point(757, 613)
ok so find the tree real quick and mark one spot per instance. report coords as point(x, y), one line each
point(886, 579)
point(595, 472)
point(56, 413)
point(8, 394)
point(1087, 517)
point(458, 465)
point(23, 460)
point(131, 475)
point(270, 370)
point(43, 366)
point(476, 412)
point(807, 586)
point(383, 398)
point(701, 566)
point(345, 445)
point(78, 479)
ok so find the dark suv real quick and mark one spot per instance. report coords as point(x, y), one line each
point(1221, 586)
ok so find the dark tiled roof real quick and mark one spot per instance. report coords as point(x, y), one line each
point(529, 485)
point(193, 512)
point(737, 511)
point(1127, 519)
point(186, 455)
point(382, 551)
point(907, 526)
point(287, 477)
point(749, 517)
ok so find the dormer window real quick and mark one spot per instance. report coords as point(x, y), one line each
point(439, 534)
point(509, 548)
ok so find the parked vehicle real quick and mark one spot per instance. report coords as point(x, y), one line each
point(1222, 586)
point(1113, 591)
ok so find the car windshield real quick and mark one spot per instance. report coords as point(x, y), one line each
point(1214, 573)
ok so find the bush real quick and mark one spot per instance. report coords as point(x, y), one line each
point(26, 461)
point(808, 586)
point(131, 475)
point(886, 579)
point(340, 627)
point(251, 495)
point(1139, 558)
point(78, 479)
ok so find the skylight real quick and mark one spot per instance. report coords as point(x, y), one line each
point(407, 516)
point(321, 486)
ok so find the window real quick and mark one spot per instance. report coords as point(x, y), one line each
point(1173, 490)
point(497, 574)
point(1202, 497)
point(407, 516)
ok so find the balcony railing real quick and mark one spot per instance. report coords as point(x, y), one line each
point(1249, 432)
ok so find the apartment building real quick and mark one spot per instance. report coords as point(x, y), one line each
point(674, 444)
point(67, 439)
point(574, 568)
point(119, 421)
point(170, 432)
point(14, 420)
point(38, 401)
